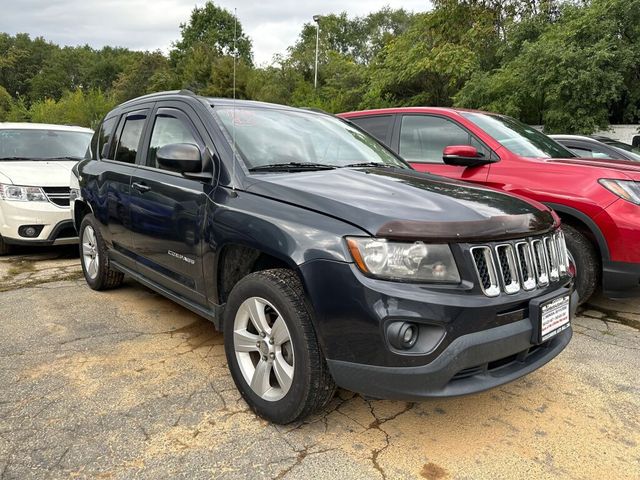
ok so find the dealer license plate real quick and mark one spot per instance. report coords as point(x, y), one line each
point(554, 317)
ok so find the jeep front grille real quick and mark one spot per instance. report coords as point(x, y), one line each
point(520, 265)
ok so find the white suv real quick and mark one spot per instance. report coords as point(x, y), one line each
point(35, 166)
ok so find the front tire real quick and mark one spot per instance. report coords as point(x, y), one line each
point(93, 256)
point(272, 349)
point(586, 262)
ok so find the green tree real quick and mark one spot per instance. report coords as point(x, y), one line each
point(572, 74)
point(6, 102)
point(150, 72)
point(74, 108)
point(21, 58)
point(214, 27)
point(65, 69)
point(434, 58)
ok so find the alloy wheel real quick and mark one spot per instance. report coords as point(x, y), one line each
point(263, 349)
point(90, 256)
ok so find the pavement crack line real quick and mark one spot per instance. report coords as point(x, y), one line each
point(301, 455)
point(377, 424)
point(627, 347)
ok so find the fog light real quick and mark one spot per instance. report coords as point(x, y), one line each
point(30, 231)
point(402, 335)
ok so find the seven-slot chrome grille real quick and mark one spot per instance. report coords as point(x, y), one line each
point(520, 264)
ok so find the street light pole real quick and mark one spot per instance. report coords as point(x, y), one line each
point(316, 18)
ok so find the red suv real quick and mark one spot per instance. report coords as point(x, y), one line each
point(597, 200)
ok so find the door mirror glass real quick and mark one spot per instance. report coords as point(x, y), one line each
point(463, 156)
point(180, 157)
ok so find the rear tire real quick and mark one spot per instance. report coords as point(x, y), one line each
point(5, 249)
point(94, 259)
point(586, 261)
point(272, 349)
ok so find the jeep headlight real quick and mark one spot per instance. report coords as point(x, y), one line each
point(22, 194)
point(416, 261)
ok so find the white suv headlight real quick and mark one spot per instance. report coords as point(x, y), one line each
point(417, 261)
point(22, 194)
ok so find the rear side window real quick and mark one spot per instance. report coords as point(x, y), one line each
point(104, 136)
point(423, 138)
point(378, 126)
point(169, 127)
point(129, 138)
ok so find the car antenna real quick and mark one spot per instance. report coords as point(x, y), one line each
point(233, 127)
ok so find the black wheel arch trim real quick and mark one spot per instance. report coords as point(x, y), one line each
point(78, 220)
point(591, 225)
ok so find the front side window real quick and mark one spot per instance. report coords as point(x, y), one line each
point(129, 139)
point(168, 128)
point(581, 152)
point(424, 137)
point(518, 137)
point(43, 144)
point(272, 136)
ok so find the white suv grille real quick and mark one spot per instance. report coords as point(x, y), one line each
point(520, 265)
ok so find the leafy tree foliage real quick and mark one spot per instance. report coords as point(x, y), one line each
point(214, 27)
point(576, 75)
point(74, 108)
point(6, 103)
point(571, 65)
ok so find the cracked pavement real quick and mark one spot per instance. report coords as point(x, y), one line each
point(125, 384)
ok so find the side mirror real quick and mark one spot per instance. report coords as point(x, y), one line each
point(463, 156)
point(180, 157)
point(636, 141)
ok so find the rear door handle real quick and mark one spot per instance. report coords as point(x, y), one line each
point(141, 187)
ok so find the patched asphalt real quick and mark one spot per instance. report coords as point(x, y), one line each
point(125, 384)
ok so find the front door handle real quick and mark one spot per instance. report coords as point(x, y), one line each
point(141, 187)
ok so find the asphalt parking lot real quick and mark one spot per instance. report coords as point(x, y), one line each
point(126, 384)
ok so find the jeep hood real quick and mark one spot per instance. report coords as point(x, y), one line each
point(405, 204)
point(38, 173)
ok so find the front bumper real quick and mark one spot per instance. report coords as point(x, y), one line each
point(484, 342)
point(57, 227)
point(620, 279)
point(470, 364)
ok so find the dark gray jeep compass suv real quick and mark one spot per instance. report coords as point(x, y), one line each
point(323, 257)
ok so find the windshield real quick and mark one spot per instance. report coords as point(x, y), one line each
point(518, 137)
point(631, 152)
point(269, 136)
point(623, 146)
point(31, 144)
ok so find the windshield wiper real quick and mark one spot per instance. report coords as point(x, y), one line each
point(14, 158)
point(291, 166)
point(68, 157)
point(367, 164)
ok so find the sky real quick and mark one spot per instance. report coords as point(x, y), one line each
point(151, 25)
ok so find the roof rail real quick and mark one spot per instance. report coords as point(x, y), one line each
point(159, 94)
